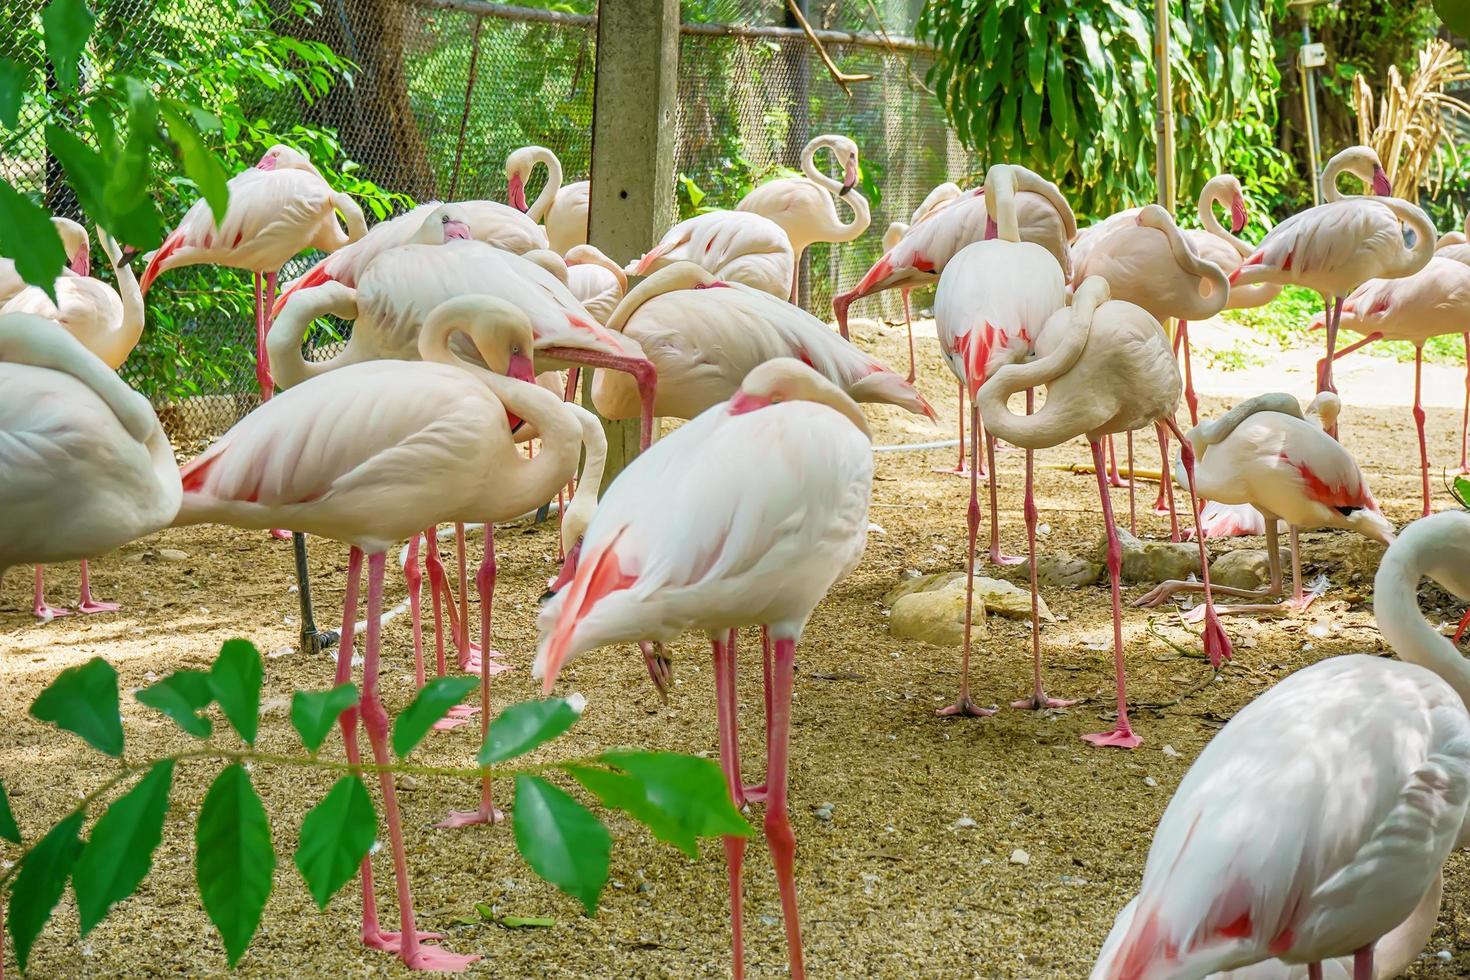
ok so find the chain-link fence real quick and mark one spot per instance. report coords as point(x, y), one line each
point(442, 90)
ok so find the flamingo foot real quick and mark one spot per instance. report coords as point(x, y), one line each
point(1042, 701)
point(1116, 480)
point(1121, 737)
point(996, 558)
point(437, 960)
point(280, 534)
point(460, 714)
point(459, 818)
point(1217, 642)
point(955, 471)
point(46, 612)
point(392, 942)
point(90, 606)
point(755, 794)
point(1162, 592)
point(470, 661)
point(966, 708)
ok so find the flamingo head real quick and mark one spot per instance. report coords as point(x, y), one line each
point(283, 157)
point(76, 244)
point(787, 379)
point(850, 171)
point(1238, 215)
point(445, 223)
point(1382, 186)
point(1368, 521)
point(516, 192)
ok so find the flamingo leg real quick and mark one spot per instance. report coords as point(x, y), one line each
point(1324, 383)
point(1363, 963)
point(485, 584)
point(1190, 397)
point(1122, 735)
point(460, 714)
point(1216, 643)
point(1339, 355)
point(1464, 625)
point(996, 556)
point(1164, 502)
point(375, 720)
point(415, 581)
point(1164, 590)
point(779, 835)
point(1419, 424)
point(45, 611)
point(1314, 971)
point(1115, 478)
point(959, 467)
point(86, 604)
point(571, 392)
point(468, 657)
point(1039, 698)
point(313, 640)
point(963, 705)
point(727, 705)
point(908, 322)
point(1132, 490)
point(757, 792)
point(1465, 417)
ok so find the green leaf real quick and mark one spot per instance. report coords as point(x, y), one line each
point(1455, 14)
point(1462, 490)
point(313, 713)
point(39, 883)
point(433, 701)
point(200, 165)
point(83, 700)
point(235, 681)
point(688, 790)
point(561, 840)
point(619, 791)
point(234, 858)
point(28, 237)
point(85, 171)
point(182, 695)
point(14, 80)
point(335, 837)
point(9, 830)
point(67, 24)
point(120, 851)
point(521, 727)
point(525, 922)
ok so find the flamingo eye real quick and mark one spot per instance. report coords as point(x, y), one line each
point(1348, 511)
point(516, 349)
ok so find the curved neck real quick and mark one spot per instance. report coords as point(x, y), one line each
point(680, 275)
point(1334, 169)
point(1200, 306)
point(1208, 198)
point(579, 511)
point(132, 303)
point(289, 366)
point(537, 211)
point(809, 165)
point(529, 483)
point(1410, 260)
point(862, 214)
point(1396, 608)
point(1000, 202)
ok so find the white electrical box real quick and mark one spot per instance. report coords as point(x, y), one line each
point(1312, 55)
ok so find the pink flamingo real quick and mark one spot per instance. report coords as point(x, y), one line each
point(277, 208)
point(1318, 820)
point(992, 302)
point(108, 322)
point(736, 246)
point(1429, 303)
point(1107, 368)
point(561, 208)
point(705, 336)
point(85, 467)
point(1453, 245)
point(804, 206)
point(74, 242)
point(597, 281)
point(1264, 453)
point(374, 453)
point(749, 514)
point(937, 198)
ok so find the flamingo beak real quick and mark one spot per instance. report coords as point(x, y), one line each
point(516, 193)
point(568, 569)
point(267, 162)
point(81, 263)
point(990, 228)
point(660, 668)
point(850, 176)
point(1237, 215)
point(1382, 186)
point(521, 369)
point(457, 231)
point(743, 402)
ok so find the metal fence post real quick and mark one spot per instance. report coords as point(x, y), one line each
point(633, 131)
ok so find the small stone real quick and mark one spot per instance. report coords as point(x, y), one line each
point(173, 554)
point(964, 823)
point(1152, 561)
point(645, 888)
point(406, 782)
point(824, 812)
point(935, 617)
point(1170, 751)
point(1064, 570)
point(1073, 880)
point(1444, 955)
point(1020, 857)
point(1150, 782)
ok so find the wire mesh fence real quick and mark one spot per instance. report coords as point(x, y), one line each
point(441, 92)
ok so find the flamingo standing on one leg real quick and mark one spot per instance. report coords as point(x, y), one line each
point(749, 514)
point(1107, 368)
point(74, 242)
point(804, 206)
point(1320, 817)
point(374, 453)
point(1455, 245)
point(84, 465)
point(561, 208)
point(108, 322)
point(736, 246)
point(936, 199)
point(1264, 453)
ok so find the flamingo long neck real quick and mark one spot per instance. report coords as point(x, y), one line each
point(537, 211)
point(579, 511)
point(130, 330)
point(1200, 307)
point(1000, 202)
point(524, 484)
point(1335, 167)
point(289, 366)
point(1410, 260)
point(1211, 195)
point(862, 214)
point(1396, 603)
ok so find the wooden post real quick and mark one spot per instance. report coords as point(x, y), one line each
point(632, 195)
point(1164, 127)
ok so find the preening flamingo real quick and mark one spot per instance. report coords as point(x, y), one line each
point(1263, 453)
point(485, 221)
point(562, 209)
point(74, 242)
point(992, 302)
point(705, 336)
point(597, 281)
point(1107, 368)
point(937, 198)
point(84, 465)
point(372, 454)
point(277, 208)
point(1319, 818)
point(1432, 302)
point(736, 246)
point(108, 322)
point(1335, 247)
point(746, 515)
point(804, 206)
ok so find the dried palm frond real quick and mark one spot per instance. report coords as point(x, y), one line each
point(1414, 129)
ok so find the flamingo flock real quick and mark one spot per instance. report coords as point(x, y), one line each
point(475, 323)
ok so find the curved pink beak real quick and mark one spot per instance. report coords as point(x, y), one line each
point(1237, 215)
point(743, 401)
point(81, 263)
point(457, 230)
point(1382, 187)
point(850, 175)
point(267, 162)
point(516, 193)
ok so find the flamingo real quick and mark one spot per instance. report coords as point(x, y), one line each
point(561, 208)
point(485, 221)
point(108, 322)
point(705, 336)
point(85, 467)
point(804, 207)
point(992, 302)
point(74, 242)
point(936, 199)
point(597, 281)
point(749, 514)
point(1431, 302)
point(1335, 247)
point(737, 246)
point(276, 209)
point(1264, 453)
point(1107, 368)
point(375, 452)
point(1319, 818)
point(1453, 245)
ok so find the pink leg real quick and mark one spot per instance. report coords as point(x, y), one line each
point(1165, 502)
point(779, 836)
point(1039, 698)
point(45, 611)
point(1115, 478)
point(468, 657)
point(996, 556)
point(375, 720)
point(908, 322)
point(1132, 491)
point(1217, 644)
point(963, 705)
point(959, 468)
point(86, 604)
point(1325, 382)
point(1314, 971)
point(415, 581)
point(571, 392)
point(1182, 338)
point(1464, 625)
point(1419, 424)
point(1339, 355)
point(1363, 963)
point(460, 714)
point(1465, 417)
point(727, 703)
point(1122, 735)
point(757, 793)
point(485, 583)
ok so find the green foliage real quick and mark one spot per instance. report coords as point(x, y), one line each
point(235, 683)
point(335, 837)
point(431, 703)
point(234, 858)
point(38, 886)
point(9, 830)
point(120, 851)
point(1461, 491)
point(83, 700)
point(182, 695)
point(26, 235)
point(521, 727)
point(561, 840)
point(313, 713)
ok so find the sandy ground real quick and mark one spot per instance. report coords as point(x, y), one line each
point(890, 886)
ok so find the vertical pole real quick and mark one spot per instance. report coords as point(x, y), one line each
point(1309, 99)
point(633, 123)
point(1164, 126)
point(798, 57)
